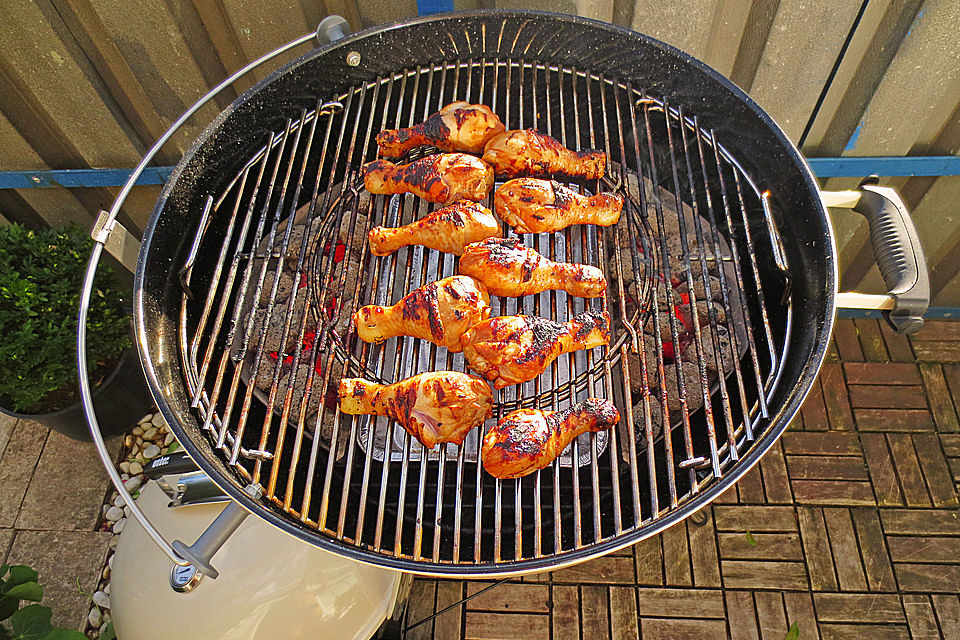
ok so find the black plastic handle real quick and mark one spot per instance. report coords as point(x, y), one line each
point(899, 255)
point(169, 464)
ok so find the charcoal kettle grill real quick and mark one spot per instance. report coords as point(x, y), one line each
point(690, 151)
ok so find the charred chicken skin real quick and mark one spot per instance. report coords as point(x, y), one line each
point(441, 406)
point(443, 177)
point(459, 126)
point(449, 229)
point(513, 349)
point(530, 205)
point(526, 440)
point(527, 152)
point(439, 312)
point(508, 268)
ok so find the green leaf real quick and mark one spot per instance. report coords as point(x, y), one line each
point(108, 632)
point(65, 634)
point(3, 570)
point(793, 633)
point(27, 591)
point(750, 539)
point(32, 622)
point(8, 606)
point(19, 574)
point(173, 446)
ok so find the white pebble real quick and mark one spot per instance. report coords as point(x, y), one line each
point(106, 508)
point(126, 512)
point(118, 525)
point(110, 562)
point(151, 452)
point(125, 467)
point(106, 589)
point(150, 433)
point(168, 440)
point(124, 476)
point(158, 419)
point(113, 542)
point(119, 502)
point(106, 616)
point(101, 599)
point(94, 618)
point(146, 418)
point(137, 431)
point(136, 469)
point(114, 514)
point(133, 483)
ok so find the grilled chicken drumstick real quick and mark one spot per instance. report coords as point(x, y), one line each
point(508, 268)
point(459, 126)
point(449, 229)
point(441, 406)
point(527, 152)
point(512, 349)
point(542, 206)
point(439, 312)
point(443, 177)
point(527, 439)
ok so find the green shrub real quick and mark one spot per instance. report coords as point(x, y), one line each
point(41, 273)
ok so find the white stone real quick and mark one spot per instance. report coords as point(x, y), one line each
point(151, 452)
point(126, 512)
point(136, 469)
point(168, 440)
point(146, 418)
point(125, 466)
point(158, 419)
point(119, 502)
point(106, 616)
point(114, 513)
point(106, 589)
point(133, 483)
point(118, 525)
point(124, 476)
point(137, 431)
point(101, 599)
point(110, 562)
point(106, 508)
point(150, 433)
point(94, 617)
point(113, 542)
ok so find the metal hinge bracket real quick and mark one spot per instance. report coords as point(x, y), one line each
point(117, 240)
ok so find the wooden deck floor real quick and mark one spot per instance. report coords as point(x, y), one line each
point(849, 527)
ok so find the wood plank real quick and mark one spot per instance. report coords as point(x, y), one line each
point(843, 545)
point(876, 562)
point(506, 626)
point(765, 546)
point(420, 605)
point(833, 492)
point(776, 483)
point(883, 397)
point(950, 444)
point(681, 603)
point(871, 340)
point(741, 615)
point(676, 557)
point(766, 518)
point(827, 468)
point(703, 553)
point(799, 607)
point(750, 487)
point(509, 597)
point(814, 411)
point(924, 549)
point(936, 351)
point(624, 621)
point(891, 373)
point(907, 420)
point(679, 629)
point(928, 578)
point(941, 404)
point(948, 614)
point(771, 615)
point(565, 616)
point(848, 345)
point(946, 330)
point(820, 444)
point(951, 373)
point(908, 469)
point(907, 522)
point(649, 561)
point(882, 473)
point(447, 625)
point(936, 473)
point(594, 612)
point(759, 574)
point(836, 397)
point(898, 345)
point(860, 631)
point(605, 570)
point(816, 548)
point(920, 617)
point(858, 607)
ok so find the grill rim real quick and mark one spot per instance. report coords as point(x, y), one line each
point(150, 311)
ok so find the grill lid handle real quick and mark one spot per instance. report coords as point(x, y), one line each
point(331, 29)
point(896, 246)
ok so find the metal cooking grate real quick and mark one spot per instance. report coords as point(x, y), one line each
point(280, 258)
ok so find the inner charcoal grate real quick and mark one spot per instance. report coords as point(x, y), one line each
point(281, 263)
